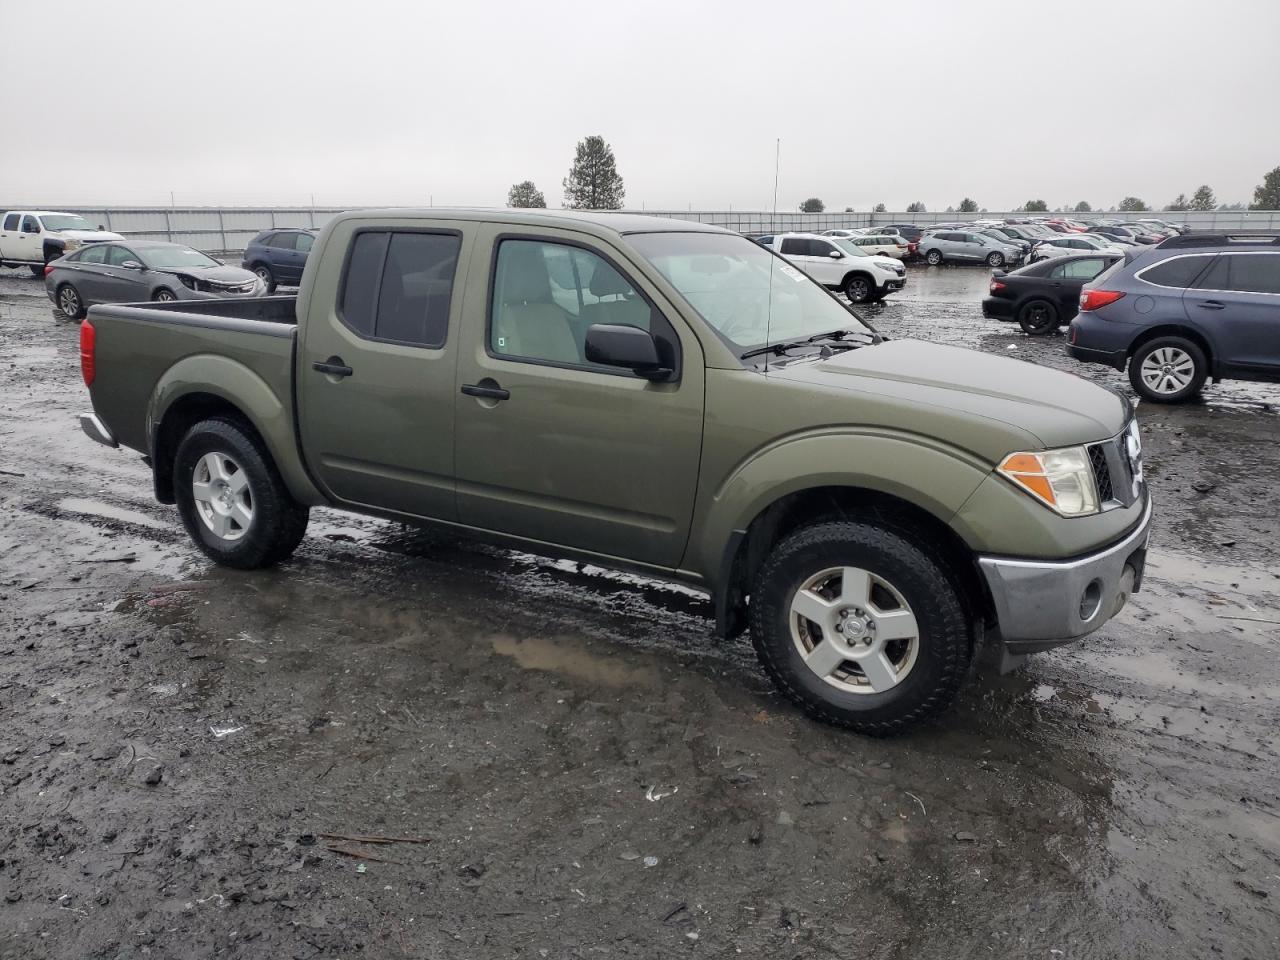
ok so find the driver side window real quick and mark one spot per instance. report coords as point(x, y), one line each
point(546, 295)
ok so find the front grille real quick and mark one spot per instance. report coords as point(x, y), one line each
point(1101, 471)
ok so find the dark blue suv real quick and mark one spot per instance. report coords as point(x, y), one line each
point(1196, 306)
point(278, 256)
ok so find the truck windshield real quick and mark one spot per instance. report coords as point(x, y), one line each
point(749, 296)
point(66, 221)
point(164, 258)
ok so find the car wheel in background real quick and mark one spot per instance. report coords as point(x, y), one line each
point(933, 258)
point(1168, 370)
point(69, 302)
point(36, 271)
point(995, 259)
point(266, 276)
point(860, 626)
point(1038, 317)
point(231, 498)
point(858, 288)
point(164, 295)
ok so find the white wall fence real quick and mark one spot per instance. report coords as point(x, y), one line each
point(229, 229)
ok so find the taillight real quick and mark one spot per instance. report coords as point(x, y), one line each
point(1093, 299)
point(996, 285)
point(88, 341)
point(48, 269)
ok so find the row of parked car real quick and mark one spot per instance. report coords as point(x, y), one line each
point(83, 264)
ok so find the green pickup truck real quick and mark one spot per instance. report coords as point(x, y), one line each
point(656, 395)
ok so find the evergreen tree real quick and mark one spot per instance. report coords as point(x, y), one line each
point(593, 182)
point(525, 194)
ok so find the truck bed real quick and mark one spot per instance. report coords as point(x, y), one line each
point(141, 350)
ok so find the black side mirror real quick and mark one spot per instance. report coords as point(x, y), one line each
point(622, 345)
point(102, 228)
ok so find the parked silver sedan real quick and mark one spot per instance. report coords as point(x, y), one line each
point(965, 246)
point(139, 270)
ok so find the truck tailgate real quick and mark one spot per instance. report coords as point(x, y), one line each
point(135, 346)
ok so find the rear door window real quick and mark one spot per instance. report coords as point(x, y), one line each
point(283, 241)
point(1084, 268)
point(1252, 272)
point(11, 222)
point(305, 242)
point(398, 286)
point(95, 254)
point(795, 247)
point(1176, 272)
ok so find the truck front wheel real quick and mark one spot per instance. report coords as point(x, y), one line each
point(231, 498)
point(860, 626)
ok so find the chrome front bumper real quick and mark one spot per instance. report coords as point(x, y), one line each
point(95, 429)
point(1040, 604)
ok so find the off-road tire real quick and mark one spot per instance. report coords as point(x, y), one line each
point(279, 522)
point(1190, 348)
point(1038, 317)
point(945, 642)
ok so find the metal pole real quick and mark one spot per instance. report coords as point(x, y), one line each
point(222, 229)
point(777, 160)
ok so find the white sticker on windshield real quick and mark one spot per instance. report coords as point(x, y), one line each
point(793, 273)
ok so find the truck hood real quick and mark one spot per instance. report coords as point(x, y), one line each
point(89, 236)
point(1014, 398)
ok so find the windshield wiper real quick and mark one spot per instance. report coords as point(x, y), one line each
point(778, 349)
point(829, 339)
point(840, 335)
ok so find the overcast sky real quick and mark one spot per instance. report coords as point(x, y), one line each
point(890, 101)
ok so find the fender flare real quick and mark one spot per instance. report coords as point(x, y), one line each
point(236, 385)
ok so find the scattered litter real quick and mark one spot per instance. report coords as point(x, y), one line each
point(154, 775)
point(657, 793)
point(650, 861)
point(677, 909)
point(109, 752)
point(361, 868)
point(919, 801)
point(307, 840)
point(129, 557)
point(785, 819)
point(164, 689)
point(692, 935)
point(1250, 619)
point(1203, 486)
point(965, 837)
point(224, 729)
point(360, 855)
point(1012, 346)
point(629, 855)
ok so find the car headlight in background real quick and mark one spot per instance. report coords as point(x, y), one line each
point(1060, 479)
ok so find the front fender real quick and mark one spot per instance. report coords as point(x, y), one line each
point(924, 472)
point(237, 385)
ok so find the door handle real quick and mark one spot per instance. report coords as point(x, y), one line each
point(490, 390)
point(334, 367)
point(1212, 305)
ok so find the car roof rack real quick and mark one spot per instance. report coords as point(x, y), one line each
point(1251, 238)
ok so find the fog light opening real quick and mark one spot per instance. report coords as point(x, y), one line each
point(1091, 601)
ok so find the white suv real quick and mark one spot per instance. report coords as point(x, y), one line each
point(841, 265)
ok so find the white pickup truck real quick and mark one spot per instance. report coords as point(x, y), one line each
point(32, 238)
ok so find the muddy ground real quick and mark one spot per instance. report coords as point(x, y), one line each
point(183, 748)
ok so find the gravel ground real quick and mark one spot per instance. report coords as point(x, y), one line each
point(193, 760)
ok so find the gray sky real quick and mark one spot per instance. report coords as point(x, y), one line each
point(890, 101)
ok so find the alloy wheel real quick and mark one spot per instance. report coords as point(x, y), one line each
point(1168, 370)
point(854, 630)
point(223, 498)
point(69, 301)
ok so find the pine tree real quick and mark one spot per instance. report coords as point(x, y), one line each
point(593, 182)
point(525, 194)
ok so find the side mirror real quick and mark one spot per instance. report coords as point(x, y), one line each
point(101, 228)
point(836, 255)
point(132, 265)
point(622, 345)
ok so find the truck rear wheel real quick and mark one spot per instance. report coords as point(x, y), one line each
point(860, 626)
point(231, 498)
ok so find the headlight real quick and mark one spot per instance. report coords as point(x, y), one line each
point(191, 283)
point(1060, 479)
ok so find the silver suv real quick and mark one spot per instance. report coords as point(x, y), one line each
point(965, 246)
